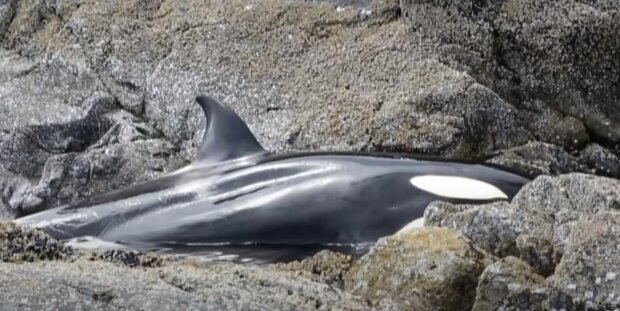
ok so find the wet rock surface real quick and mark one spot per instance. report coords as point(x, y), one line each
point(99, 95)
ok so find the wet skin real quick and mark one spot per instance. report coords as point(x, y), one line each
point(236, 192)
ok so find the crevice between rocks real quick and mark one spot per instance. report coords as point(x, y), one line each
point(82, 49)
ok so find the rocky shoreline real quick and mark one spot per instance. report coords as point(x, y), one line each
point(554, 247)
point(98, 95)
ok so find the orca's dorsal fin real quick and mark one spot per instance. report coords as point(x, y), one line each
point(226, 136)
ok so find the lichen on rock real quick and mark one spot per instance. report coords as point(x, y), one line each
point(430, 268)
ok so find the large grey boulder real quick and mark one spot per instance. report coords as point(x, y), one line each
point(557, 60)
point(529, 226)
point(425, 269)
point(565, 228)
point(588, 272)
point(99, 95)
point(510, 284)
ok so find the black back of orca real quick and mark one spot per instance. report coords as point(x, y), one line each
point(236, 192)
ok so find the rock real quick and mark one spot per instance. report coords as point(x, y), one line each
point(95, 285)
point(121, 279)
point(17, 245)
point(493, 227)
point(568, 197)
point(527, 52)
point(255, 288)
point(531, 227)
point(128, 258)
point(431, 268)
point(7, 11)
point(171, 66)
point(536, 158)
point(48, 89)
point(602, 160)
point(499, 228)
point(447, 114)
point(510, 284)
point(103, 150)
point(588, 273)
point(553, 127)
point(325, 267)
point(25, 148)
point(549, 51)
point(565, 227)
point(536, 248)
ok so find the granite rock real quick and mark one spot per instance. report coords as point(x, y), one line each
point(587, 274)
point(510, 284)
point(421, 269)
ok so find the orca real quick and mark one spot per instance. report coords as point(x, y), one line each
point(237, 193)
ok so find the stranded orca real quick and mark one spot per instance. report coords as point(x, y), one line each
point(237, 193)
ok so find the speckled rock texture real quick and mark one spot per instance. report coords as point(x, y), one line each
point(426, 269)
point(510, 284)
point(127, 280)
point(556, 61)
point(346, 75)
point(325, 266)
point(99, 95)
point(95, 285)
point(565, 228)
point(587, 274)
point(17, 245)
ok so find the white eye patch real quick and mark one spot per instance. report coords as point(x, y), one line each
point(457, 187)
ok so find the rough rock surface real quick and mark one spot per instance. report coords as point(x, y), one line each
point(494, 227)
point(563, 54)
point(537, 158)
point(510, 284)
point(449, 114)
point(426, 269)
point(98, 95)
point(334, 76)
point(79, 158)
point(325, 266)
point(568, 197)
point(527, 227)
point(589, 268)
point(602, 160)
point(17, 245)
point(95, 285)
point(564, 227)
point(120, 279)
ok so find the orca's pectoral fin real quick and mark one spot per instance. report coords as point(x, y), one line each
point(226, 136)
